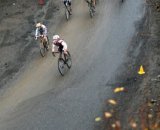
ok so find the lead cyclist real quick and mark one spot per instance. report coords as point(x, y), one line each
point(94, 3)
point(69, 2)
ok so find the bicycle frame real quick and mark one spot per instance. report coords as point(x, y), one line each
point(42, 40)
point(43, 45)
point(61, 54)
point(66, 5)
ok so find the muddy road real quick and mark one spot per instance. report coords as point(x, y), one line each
point(42, 99)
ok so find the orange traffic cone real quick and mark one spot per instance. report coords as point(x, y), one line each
point(141, 70)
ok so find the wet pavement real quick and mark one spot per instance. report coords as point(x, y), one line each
point(41, 99)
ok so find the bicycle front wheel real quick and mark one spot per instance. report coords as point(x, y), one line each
point(61, 66)
point(68, 60)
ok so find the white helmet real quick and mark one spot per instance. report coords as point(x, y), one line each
point(38, 25)
point(55, 37)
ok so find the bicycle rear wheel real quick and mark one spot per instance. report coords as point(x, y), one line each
point(61, 66)
point(91, 12)
point(68, 60)
point(67, 13)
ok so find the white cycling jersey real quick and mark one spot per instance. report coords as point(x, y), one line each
point(56, 46)
point(37, 33)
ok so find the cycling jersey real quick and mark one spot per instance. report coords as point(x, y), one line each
point(61, 44)
point(67, 1)
point(41, 31)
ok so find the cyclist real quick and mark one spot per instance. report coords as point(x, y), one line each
point(92, 2)
point(68, 2)
point(59, 44)
point(41, 30)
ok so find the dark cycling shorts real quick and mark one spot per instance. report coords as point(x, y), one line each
point(65, 2)
point(60, 48)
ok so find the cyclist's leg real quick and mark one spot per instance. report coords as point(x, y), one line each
point(93, 3)
point(60, 49)
point(46, 41)
point(54, 48)
point(70, 5)
point(41, 43)
point(65, 55)
point(46, 38)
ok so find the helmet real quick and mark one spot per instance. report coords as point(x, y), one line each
point(38, 25)
point(55, 37)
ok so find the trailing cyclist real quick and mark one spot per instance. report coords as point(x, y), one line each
point(68, 3)
point(41, 33)
point(92, 2)
point(58, 45)
point(41, 30)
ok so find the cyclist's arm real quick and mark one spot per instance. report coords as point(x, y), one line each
point(53, 49)
point(36, 33)
point(64, 46)
point(45, 30)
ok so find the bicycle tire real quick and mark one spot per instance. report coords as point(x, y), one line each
point(68, 60)
point(91, 13)
point(46, 46)
point(61, 66)
point(67, 14)
point(42, 51)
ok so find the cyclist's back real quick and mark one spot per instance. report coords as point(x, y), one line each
point(68, 3)
point(61, 44)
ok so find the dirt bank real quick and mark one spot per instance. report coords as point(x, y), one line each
point(136, 106)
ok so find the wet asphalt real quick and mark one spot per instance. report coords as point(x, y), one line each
point(41, 99)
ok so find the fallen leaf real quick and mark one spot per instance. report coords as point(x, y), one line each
point(113, 102)
point(97, 119)
point(107, 114)
point(120, 89)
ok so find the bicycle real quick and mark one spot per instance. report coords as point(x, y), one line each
point(91, 8)
point(67, 11)
point(64, 60)
point(44, 45)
